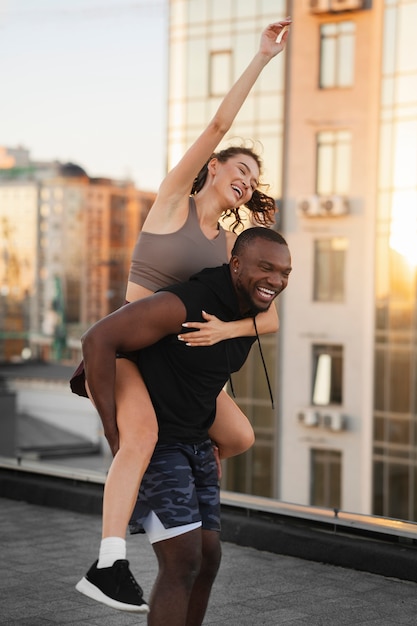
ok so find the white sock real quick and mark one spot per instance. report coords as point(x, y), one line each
point(111, 549)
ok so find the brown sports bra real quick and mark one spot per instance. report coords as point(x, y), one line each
point(161, 260)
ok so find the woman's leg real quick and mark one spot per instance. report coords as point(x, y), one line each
point(138, 431)
point(109, 580)
point(231, 430)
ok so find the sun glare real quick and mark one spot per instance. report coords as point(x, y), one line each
point(403, 236)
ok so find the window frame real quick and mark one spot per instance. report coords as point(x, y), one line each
point(334, 260)
point(327, 383)
point(336, 47)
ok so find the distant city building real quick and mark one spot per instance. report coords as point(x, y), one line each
point(66, 241)
point(336, 116)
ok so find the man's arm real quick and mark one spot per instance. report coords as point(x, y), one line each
point(132, 327)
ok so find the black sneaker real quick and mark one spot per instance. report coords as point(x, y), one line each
point(114, 586)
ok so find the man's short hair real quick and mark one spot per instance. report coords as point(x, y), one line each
point(257, 232)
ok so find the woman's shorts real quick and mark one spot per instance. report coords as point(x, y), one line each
point(181, 486)
point(77, 381)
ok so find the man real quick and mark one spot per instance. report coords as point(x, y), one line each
point(178, 504)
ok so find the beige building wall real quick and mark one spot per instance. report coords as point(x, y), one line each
point(349, 323)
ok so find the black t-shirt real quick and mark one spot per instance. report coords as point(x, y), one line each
point(184, 382)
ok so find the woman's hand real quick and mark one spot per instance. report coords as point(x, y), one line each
point(207, 333)
point(274, 38)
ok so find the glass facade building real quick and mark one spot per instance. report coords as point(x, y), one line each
point(211, 42)
point(395, 414)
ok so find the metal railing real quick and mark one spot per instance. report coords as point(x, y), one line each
point(252, 505)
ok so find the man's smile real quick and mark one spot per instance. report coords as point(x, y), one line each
point(266, 294)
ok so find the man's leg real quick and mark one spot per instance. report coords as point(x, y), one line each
point(179, 561)
point(211, 556)
point(186, 474)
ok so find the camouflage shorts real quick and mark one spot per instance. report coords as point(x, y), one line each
point(180, 486)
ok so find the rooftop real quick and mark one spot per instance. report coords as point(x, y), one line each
point(46, 550)
point(36, 437)
point(282, 563)
point(36, 370)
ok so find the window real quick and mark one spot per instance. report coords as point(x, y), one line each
point(327, 375)
point(337, 54)
point(326, 478)
point(254, 472)
point(329, 269)
point(220, 75)
point(333, 162)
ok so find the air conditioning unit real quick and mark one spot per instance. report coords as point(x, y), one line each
point(308, 206)
point(346, 5)
point(333, 420)
point(319, 6)
point(309, 417)
point(332, 206)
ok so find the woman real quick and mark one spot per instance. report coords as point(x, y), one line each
point(181, 235)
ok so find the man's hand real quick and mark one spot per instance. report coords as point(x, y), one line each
point(218, 462)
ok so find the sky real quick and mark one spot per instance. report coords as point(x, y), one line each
point(85, 81)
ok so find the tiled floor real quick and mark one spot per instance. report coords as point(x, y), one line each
point(45, 551)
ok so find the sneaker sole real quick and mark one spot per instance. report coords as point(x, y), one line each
point(93, 592)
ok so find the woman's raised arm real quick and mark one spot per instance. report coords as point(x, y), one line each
point(179, 180)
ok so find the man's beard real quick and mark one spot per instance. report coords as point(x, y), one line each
point(247, 306)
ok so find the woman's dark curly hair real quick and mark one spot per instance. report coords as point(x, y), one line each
point(261, 206)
